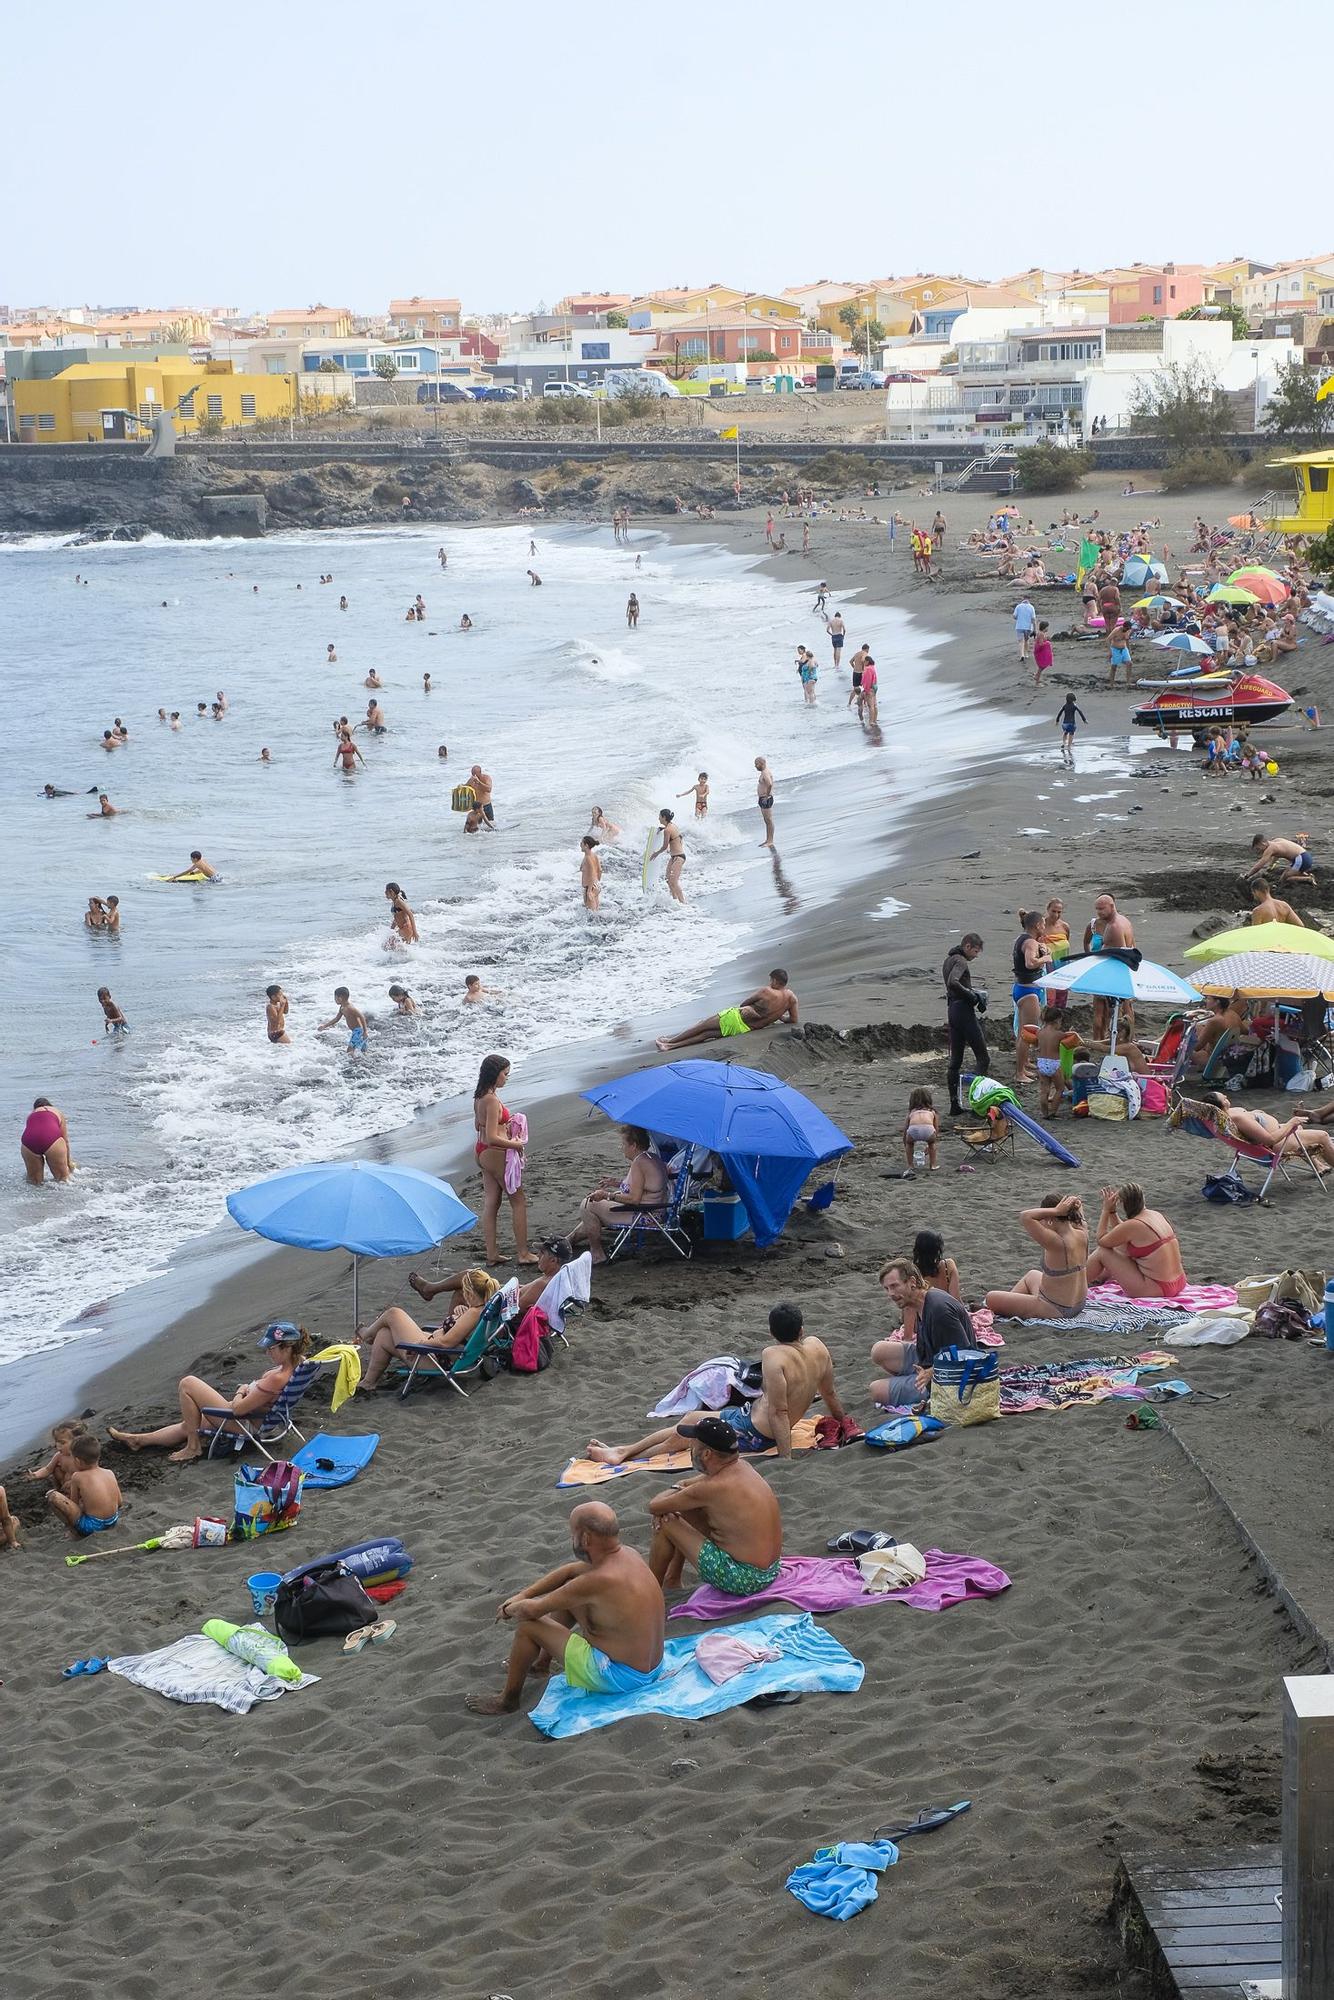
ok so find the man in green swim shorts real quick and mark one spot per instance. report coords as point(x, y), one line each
point(764, 1009)
point(726, 1520)
point(600, 1618)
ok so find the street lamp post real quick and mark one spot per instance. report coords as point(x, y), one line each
point(1255, 408)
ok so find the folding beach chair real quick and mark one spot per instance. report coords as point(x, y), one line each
point(276, 1423)
point(451, 1366)
point(645, 1223)
point(1207, 1121)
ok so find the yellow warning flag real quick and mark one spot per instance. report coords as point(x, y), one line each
point(730, 432)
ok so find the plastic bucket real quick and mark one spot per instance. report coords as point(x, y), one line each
point(263, 1588)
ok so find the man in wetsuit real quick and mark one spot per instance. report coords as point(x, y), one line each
point(962, 1006)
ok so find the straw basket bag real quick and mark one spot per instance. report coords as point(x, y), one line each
point(965, 1386)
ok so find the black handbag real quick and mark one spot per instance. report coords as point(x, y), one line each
point(323, 1603)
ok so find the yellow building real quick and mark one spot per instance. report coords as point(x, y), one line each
point(1315, 494)
point(118, 399)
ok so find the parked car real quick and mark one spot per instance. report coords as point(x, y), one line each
point(566, 389)
point(871, 378)
point(453, 392)
point(495, 392)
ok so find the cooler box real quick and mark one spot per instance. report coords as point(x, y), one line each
point(725, 1220)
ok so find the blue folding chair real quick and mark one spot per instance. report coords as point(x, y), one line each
point(229, 1433)
point(642, 1224)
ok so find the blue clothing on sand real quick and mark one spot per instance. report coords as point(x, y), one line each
point(839, 1881)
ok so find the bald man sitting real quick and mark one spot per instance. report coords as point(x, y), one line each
point(601, 1618)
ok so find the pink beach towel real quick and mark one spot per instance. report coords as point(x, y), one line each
point(1195, 1298)
point(834, 1583)
point(514, 1161)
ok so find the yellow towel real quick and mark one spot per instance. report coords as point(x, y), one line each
point(349, 1371)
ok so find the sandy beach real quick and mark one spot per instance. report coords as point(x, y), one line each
point(368, 1832)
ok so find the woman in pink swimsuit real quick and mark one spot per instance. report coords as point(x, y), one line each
point(1140, 1254)
point(45, 1143)
point(493, 1143)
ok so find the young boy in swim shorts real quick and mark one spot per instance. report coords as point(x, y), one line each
point(91, 1498)
point(351, 1017)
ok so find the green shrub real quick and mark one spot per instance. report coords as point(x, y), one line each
point(1045, 467)
point(1209, 467)
point(842, 469)
point(1320, 553)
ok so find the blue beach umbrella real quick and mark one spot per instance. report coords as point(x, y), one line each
point(1098, 976)
point(767, 1134)
point(356, 1205)
point(1183, 642)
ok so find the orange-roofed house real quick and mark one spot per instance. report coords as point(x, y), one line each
point(591, 305)
point(311, 322)
point(416, 319)
point(180, 325)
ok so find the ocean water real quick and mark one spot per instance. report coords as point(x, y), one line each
point(550, 692)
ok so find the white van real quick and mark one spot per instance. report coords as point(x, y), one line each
point(566, 389)
point(638, 382)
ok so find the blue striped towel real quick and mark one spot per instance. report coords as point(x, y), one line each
point(810, 1660)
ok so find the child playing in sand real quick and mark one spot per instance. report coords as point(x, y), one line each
point(9, 1525)
point(91, 1499)
point(1051, 1084)
point(60, 1466)
point(921, 1128)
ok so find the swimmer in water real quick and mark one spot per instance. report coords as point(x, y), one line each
point(400, 916)
point(443, 752)
point(115, 1020)
point(347, 754)
point(342, 604)
point(55, 792)
point(176, 718)
point(375, 721)
point(700, 791)
point(221, 700)
point(201, 709)
point(534, 579)
point(275, 1014)
point(372, 680)
point(604, 828)
point(162, 715)
point(105, 809)
point(119, 731)
point(403, 1000)
point(95, 916)
point(352, 1018)
point(264, 757)
point(110, 741)
point(590, 873)
point(426, 683)
point(465, 623)
point(112, 912)
point(473, 991)
point(198, 866)
point(330, 657)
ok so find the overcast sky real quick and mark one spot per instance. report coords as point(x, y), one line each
point(166, 155)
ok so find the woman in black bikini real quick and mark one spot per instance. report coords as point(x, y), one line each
point(1058, 1289)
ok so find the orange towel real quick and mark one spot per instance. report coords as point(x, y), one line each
point(587, 1471)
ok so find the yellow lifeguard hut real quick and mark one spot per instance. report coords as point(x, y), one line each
point(1314, 513)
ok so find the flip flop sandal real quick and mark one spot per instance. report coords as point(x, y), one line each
point(926, 1821)
point(856, 1541)
point(370, 1635)
point(780, 1698)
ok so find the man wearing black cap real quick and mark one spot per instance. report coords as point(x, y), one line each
point(726, 1521)
point(795, 1369)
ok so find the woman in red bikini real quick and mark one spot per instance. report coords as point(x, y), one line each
point(493, 1143)
point(1140, 1254)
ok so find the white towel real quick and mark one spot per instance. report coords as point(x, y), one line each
point(196, 1669)
point(572, 1281)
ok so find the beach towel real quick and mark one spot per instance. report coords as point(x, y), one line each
point(518, 1129)
point(571, 1284)
point(810, 1661)
point(839, 1881)
point(348, 1358)
point(335, 1461)
point(1195, 1298)
point(708, 1387)
point(198, 1670)
point(1128, 1318)
point(587, 1471)
point(834, 1583)
point(1061, 1385)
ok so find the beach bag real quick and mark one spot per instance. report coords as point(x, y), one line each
point(532, 1345)
point(1107, 1104)
point(965, 1386)
point(1304, 1288)
point(1282, 1319)
point(1153, 1097)
point(462, 799)
point(1227, 1187)
point(265, 1498)
point(900, 1432)
point(322, 1602)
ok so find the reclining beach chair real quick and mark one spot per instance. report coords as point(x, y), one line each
point(665, 1223)
point(1207, 1121)
point(453, 1367)
point(276, 1423)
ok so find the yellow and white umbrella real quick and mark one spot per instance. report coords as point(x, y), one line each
point(1268, 975)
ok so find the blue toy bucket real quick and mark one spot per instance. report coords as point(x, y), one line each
point(263, 1588)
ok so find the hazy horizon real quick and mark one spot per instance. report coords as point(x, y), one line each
point(269, 163)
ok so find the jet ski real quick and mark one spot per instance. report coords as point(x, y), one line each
point(1193, 701)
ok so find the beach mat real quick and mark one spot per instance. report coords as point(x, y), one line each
point(1195, 1298)
point(587, 1471)
point(824, 1584)
point(335, 1461)
point(810, 1661)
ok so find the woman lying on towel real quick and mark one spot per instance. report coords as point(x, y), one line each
point(1141, 1253)
point(395, 1328)
point(1058, 1289)
point(289, 1346)
point(613, 1203)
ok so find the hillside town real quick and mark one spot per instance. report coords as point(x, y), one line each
point(1041, 353)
